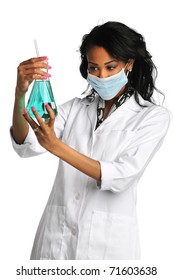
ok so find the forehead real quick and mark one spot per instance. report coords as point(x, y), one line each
point(98, 55)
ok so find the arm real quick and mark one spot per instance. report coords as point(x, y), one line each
point(27, 72)
point(83, 163)
point(126, 169)
point(47, 139)
point(20, 127)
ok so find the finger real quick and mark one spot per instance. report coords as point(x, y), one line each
point(35, 59)
point(36, 76)
point(31, 122)
point(33, 74)
point(35, 65)
point(51, 115)
point(38, 118)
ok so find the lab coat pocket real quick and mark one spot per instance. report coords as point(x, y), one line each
point(53, 232)
point(112, 237)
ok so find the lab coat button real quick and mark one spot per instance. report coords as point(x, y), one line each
point(77, 196)
point(74, 232)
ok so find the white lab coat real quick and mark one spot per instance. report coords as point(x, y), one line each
point(86, 219)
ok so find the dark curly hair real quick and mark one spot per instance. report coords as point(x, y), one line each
point(123, 43)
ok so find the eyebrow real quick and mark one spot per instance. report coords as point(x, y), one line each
point(114, 60)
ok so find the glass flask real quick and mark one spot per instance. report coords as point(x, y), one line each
point(41, 94)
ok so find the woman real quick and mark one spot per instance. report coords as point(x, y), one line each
point(104, 142)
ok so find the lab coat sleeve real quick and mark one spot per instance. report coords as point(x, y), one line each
point(31, 147)
point(128, 167)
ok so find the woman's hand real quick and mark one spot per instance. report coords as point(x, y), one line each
point(29, 70)
point(44, 132)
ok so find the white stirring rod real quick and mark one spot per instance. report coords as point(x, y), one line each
point(36, 48)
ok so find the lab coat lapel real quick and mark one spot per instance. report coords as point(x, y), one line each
point(129, 107)
point(92, 112)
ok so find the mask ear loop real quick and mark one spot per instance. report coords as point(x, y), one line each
point(128, 71)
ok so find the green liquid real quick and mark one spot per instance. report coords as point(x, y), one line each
point(41, 94)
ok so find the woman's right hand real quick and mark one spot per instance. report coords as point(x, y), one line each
point(29, 70)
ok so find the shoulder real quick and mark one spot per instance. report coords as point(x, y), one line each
point(157, 113)
point(71, 106)
point(148, 115)
point(78, 102)
point(66, 106)
point(155, 118)
point(151, 110)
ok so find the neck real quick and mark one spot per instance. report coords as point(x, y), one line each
point(109, 103)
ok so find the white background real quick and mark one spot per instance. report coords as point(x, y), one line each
point(25, 184)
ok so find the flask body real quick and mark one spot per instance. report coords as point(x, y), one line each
point(41, 94)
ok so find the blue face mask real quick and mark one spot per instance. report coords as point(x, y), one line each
point(108, 87)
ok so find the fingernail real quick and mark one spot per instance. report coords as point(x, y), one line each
point(46, 77)
point(44, 57)
point(47, 106)
point(33, 108)
point(49, 67)
point(25, 112)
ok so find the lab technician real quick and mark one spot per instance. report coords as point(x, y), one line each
point(104, 141)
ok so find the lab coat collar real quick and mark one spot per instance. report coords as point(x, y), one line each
point(131, 102)
point(122, 111)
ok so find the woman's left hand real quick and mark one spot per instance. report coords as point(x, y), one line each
point(44, 132)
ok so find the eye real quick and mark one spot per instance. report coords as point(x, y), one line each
point(93, 68)
point(111, 67)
